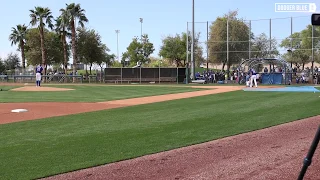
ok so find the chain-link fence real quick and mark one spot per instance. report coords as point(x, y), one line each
point(227, 41)
point(292, 38)
point(58, 78)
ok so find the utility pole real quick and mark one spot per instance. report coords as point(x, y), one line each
point(187, 67)
point(207, 46)
point(118, 31)
point(141, 21)
point(192, 45)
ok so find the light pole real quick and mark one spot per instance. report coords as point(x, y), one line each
point(207, 46)
point(192, 44)
point(141, 21)
point(118, 31)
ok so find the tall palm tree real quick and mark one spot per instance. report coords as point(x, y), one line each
point(62, 24)
point(76, 14)
point(18, 36)
point(42, 16)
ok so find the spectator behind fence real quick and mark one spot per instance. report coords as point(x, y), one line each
point(248, 80)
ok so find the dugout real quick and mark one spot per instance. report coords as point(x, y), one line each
point(271, 77)
point(145, 75)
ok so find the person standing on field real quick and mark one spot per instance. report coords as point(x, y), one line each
point(253, 78)
point(248, 79)
point(39, 70)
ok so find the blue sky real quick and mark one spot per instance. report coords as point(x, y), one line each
point(161, 18)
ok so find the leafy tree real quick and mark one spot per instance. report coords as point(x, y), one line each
point(12, 61)
point(139, 51)
point(107, 59)
point(41, 16)
point(238, 40)
point(62, 24)
point(301, 51)
point(198, 49)
point(116, 64)
point(2, 66)
point(174, 48)
point(90, 47)
point(54, 52)
point(306, 43)
point(295, 40)
point(317, 56)
point(18, 36)
point(75, 12)
point(156, 62)
point(261, 47)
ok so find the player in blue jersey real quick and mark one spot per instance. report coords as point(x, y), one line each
point(39, 70)
point(253, 77)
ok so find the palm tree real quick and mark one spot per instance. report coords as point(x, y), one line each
point(76, 13)
point(42, 16)
point(62, 24)
point(18, 35)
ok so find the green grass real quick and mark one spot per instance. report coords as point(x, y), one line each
point(90, 93)
point(39, 148)
point(7, 88)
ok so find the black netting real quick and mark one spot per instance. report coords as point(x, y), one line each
point(112, 74)
point(145, 74)
point(131, 73)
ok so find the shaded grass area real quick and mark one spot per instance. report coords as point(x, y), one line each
point(40, 148)
point(90, 93)
point(7, 88)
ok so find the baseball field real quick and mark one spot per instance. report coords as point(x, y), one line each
point(155, 132)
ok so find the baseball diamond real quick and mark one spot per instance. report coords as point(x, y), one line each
point(155, 132)
point(131, 90)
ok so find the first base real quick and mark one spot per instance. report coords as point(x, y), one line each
point(19, 110)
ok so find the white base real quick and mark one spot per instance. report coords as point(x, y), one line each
point(19, 110)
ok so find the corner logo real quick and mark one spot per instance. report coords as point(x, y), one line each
point(295, 7)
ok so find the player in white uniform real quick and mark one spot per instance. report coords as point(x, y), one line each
point(253, 78)
point(39, 70)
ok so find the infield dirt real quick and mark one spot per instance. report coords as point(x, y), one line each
point(39, 110)
point(40, 89)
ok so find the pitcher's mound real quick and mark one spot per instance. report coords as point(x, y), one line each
point(39, 89)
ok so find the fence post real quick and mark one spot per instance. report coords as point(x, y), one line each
point(159, 74)
point(285, 74)
point(121, 74)
point(140, 74)
point(177, 75)
point(104, 75)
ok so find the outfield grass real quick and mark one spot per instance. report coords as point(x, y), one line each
point(89, 93)
point(39, 148)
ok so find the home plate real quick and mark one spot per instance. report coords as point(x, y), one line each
point(19, 110)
